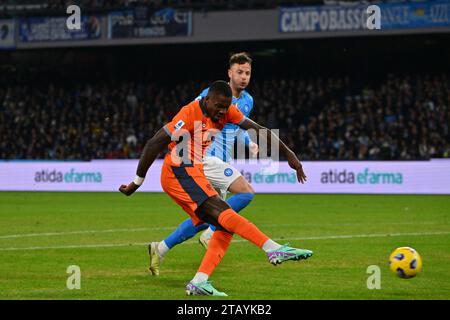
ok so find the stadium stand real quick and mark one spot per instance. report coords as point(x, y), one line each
point(400, 118)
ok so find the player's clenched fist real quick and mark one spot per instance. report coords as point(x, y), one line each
point(128, 190)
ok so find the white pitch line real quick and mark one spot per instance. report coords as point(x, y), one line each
point(352, 236)
point(63, 233)
point(47, 234)
point(373, 235)
point(74, 246)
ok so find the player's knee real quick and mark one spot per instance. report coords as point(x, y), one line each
point(249, 189)
point(217, 205)
point(210, 209)
point(219, 228)
point(240, 185)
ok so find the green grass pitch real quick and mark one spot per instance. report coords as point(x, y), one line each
point(41, 234)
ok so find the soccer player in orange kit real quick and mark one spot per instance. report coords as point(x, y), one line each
point(182, 178)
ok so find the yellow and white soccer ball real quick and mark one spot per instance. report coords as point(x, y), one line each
point(405, 262)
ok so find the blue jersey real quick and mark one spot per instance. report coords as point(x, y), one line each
point(223, 145)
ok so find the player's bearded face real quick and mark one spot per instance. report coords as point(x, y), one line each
point(217, 106)
point(240, 75)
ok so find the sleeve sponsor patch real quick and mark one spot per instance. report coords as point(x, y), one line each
point(179, 125)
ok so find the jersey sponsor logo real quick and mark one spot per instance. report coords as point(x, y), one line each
point(179, 125)
point(246, 108)
point(228, 172)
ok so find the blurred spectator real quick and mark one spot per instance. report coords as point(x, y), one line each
point(401, 118)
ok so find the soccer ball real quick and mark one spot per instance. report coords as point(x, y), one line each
point(405, 262)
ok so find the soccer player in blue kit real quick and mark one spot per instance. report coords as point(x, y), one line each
point(222, 176)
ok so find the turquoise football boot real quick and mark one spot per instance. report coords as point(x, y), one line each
point(286, 253)
point(204, 288)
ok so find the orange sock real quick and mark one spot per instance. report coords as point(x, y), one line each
point(217, 246)
point(235, 223)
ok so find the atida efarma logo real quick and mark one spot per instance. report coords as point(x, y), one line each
point(363, 177)
point(72, 176)
point(274, 178)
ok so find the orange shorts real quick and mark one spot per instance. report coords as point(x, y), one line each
point(188, 187)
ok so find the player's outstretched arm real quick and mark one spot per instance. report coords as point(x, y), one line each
point(151, 150)
point(292, 159)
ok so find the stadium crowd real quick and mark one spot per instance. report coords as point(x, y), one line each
point(328, 119)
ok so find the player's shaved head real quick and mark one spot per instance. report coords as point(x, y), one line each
point(218, 100)
point(221, 88)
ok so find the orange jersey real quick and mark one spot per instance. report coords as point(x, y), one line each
point(197, 131)
point(182, 176)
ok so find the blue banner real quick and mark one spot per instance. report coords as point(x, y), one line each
point(38, 29)
point(354, 17)
point(144, 23)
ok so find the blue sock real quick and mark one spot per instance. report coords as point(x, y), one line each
point(185, 230)
point(238, 202)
